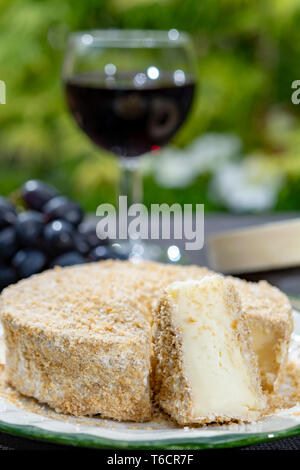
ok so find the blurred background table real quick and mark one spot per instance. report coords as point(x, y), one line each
point(289, 281)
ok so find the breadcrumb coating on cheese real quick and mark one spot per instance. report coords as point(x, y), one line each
point(260, 297)
point(88, 299)
point(110, 297)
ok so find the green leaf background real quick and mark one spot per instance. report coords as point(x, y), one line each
point(248, 56)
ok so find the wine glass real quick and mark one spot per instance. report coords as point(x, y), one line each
point(130, 91)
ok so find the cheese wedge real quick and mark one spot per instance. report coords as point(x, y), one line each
point(259, 248)
point(204, 369)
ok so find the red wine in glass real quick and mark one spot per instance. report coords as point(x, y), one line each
point(129, 115)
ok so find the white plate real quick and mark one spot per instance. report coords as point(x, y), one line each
point(95, 432)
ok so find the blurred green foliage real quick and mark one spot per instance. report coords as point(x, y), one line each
point(248, 56)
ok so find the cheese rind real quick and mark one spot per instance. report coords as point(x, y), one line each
point(204, 368)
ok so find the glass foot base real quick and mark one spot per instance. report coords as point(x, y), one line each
point(138, 251)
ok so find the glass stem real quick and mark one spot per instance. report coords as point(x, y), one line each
point(131, 180)
point(132, 187)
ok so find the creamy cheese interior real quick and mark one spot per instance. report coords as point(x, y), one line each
point(218, 372)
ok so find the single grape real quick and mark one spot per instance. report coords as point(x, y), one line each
point(61, 207)
point(80, 243)
point(8, 242)
point(104, 252)
point(68, 259)
point(58, 236)
point(88, 229)
point(28, 262)
point(7, 213)
point(8, 275)
point(36, 194)
point(29, 227)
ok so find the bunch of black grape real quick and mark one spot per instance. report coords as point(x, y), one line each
point(51, 232)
